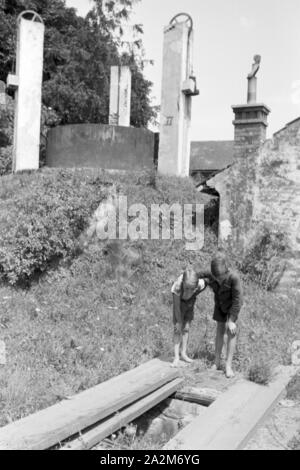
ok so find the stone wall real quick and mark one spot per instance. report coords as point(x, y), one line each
point(277, 192)
point(263, 185)
point(100, 146)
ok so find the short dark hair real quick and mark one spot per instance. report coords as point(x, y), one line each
point(219, 265)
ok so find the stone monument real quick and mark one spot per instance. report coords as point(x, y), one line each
point(252, 80)
point(27, 85)
point(251, 119)
point(120, 96)
point(178, 88)
point(2, 94)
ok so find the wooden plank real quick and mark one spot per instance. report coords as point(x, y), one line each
point(95, 436)
point(230, 421)
point(201, 396)
point(55, 424)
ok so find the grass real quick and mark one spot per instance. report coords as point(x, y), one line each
point(110, 310)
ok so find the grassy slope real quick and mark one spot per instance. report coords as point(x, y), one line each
point(84, 323)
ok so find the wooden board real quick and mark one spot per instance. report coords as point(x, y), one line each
point(94, 436)
point(201, 396)
point(53, 425)
point(230, 421)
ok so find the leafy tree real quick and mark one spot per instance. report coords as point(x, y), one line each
point(78, 55)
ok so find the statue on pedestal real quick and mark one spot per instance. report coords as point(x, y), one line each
point(252, 80)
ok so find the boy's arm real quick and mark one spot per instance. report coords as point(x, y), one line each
point(202, 284)
point(176, 292)
point(237, 298)
point(206, 276)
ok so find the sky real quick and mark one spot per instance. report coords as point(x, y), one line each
point(228, 33)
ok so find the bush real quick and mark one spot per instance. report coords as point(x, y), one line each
point(264, 261)
point(260, 373)
point(6, 160)
point(41, 216)
point(43, 213)
point(48, 119)
point(294, 443)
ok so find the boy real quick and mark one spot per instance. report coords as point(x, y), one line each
point(185, 291)
point(226, 286)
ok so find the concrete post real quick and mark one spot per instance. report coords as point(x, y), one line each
point(120, 96)
point(178, 87)
point(27, 83)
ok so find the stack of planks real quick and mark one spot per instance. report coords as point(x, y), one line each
point(95, 413)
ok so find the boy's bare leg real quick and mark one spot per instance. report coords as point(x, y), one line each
point(231, 344)
point(221, 327)
point(177, 341)
point(185, 339)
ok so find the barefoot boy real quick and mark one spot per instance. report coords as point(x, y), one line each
point(227, 288)
point(185, 291)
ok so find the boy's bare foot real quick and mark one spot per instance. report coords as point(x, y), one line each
point(229, 373)
point(187, 359)
point(175, 363)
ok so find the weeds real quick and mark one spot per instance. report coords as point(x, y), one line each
point(264, 261)
point(260, 373)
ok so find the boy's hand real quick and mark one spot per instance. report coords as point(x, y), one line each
point(178, 328)
point(231, 327)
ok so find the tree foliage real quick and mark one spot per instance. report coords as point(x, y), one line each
point(78, 55)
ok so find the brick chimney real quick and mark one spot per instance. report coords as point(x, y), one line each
point(250, 127)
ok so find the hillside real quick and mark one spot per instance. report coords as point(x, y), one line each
point(87, 310)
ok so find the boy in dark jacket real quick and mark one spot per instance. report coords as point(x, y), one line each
point(226, 286)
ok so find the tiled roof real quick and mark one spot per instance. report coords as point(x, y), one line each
point(211, 155)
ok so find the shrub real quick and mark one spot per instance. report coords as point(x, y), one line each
point(260, 372)
point(294, 443)
point(293, 388)
point(41, 216)
point(48, 119)
point(264, 261)
point(5, 160)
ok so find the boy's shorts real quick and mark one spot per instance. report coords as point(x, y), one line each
point(219, 316)
point(187, 313)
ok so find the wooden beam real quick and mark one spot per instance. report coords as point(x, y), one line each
point(231, 420)
point(201, 396)
point(55, 424)
point(93, 437)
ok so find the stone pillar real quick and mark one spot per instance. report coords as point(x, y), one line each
point(120, 96)
point(2, 94)
point(178, 87)
point(27, 83)
point(252, 90)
